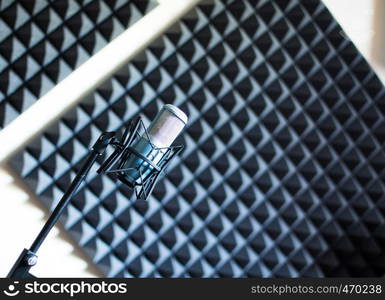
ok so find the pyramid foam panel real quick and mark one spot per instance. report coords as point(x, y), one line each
point(41, 42)
point(282, 174)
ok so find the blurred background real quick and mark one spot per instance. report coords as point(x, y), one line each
point(22, 214)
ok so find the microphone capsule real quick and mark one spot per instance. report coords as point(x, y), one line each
point(167, 125)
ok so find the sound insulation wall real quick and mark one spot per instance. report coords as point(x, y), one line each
point(41, 42)
point(283, 170)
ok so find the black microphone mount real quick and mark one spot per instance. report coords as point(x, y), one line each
point(116, 164)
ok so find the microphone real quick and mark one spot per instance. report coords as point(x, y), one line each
point(140, 156)
point(149, 150)
point(143, 154)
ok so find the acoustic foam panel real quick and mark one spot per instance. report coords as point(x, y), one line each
point(41, 42)
point(283, 170)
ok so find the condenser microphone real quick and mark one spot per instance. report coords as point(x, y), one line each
point(149, 150)
point(143, 154)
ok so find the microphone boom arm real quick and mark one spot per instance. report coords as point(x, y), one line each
point(28, 258)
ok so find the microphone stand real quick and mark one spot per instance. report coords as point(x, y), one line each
point(113, 166)
point(28, 257)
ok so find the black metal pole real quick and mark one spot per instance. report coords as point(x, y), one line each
point(64, 201)
point(28, 258)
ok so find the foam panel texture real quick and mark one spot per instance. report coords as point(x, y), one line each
point(41, 42)
point(283, 170)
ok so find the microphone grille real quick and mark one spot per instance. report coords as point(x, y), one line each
point(177, 112)
point(167, 125)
